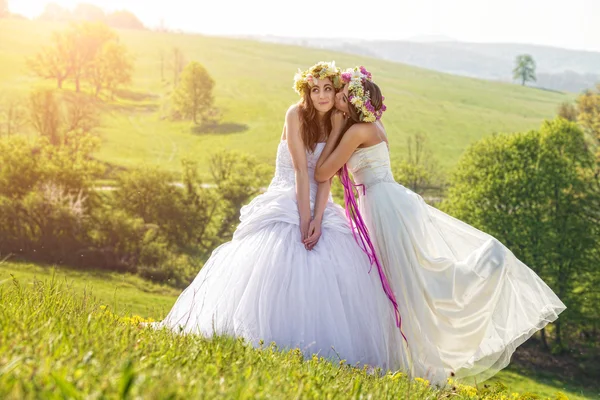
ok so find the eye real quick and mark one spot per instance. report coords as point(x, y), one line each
point(328, 89)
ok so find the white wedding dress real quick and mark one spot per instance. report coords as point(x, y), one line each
point(265, 286)
point(466, 301)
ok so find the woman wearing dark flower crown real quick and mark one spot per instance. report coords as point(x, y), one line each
point(466, 301)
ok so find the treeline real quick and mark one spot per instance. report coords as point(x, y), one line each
point(60, 205)
point(158, 224)
point(85, 54)
point(539, 193)
point(91, 13)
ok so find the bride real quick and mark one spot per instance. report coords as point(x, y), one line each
point(466, 301)
point(293, 273)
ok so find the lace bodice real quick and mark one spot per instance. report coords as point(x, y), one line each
point(371, 165)
point(285, 177)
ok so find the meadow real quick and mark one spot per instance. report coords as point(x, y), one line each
point(254, 89)
point(71, 334)
point(67, 333)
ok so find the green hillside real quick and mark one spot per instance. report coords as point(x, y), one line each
point(253, 91)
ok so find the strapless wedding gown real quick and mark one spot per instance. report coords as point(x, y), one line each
point(466, 301)
point(265, 286)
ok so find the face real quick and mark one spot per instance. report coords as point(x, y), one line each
point(323, 95)
point(341, 100)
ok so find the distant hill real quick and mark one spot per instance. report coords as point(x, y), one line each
point(88, 12)
point(253, 89)
point(557, 68)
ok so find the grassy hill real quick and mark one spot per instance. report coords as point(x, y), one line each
point(253, 91)
point(557, 68)
point(62, 307)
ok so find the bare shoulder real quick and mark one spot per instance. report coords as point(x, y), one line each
point(361, 129)
point(293, 112)
point(291, 124)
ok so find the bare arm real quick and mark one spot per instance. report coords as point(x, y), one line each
point(333, 158)
point(321, 201)
point(314, 228)
point(296, 147)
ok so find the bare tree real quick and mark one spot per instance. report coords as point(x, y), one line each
point(45, 115)
point(177, 63)
point(418, 170)
point(81, 114)
point(55, 61)
point(13, 116)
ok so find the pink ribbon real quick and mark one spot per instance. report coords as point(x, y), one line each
point(361, 235)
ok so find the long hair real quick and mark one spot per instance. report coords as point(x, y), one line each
point(375, 96)
point(353, 113)
point(312, 129)
point(359, 228)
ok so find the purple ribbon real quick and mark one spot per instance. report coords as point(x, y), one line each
point(361, 235)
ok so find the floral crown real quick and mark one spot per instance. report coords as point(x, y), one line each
point(310, 77)
point(359, 97)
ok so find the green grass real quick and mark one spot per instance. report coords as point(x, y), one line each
point(45, 334)
point(50, 323)
point(541, 383)
point(253, 91)
point(125, 293)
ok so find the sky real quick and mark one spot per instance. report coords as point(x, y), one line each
point(570, 24)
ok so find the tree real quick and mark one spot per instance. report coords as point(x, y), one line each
point(161, 55)
point(55, 61)
point(588, 107)
point(524, 69)
point(81, 115)
point(112, 67)
point(124, 19)
point(19, 169)
point(77, 50)
point(87, 41)
point(55, 13)
point(13, 116)
point(586, 112)
point(193, 96)
point(183, 215)
point(4, 12)
point(533, 192)
point(162, 26)
point(238, 177)
point(177, 64)
point(59, 119)
point(567, 111)
point(89, 12)
point(46, 115)
point(417, 170)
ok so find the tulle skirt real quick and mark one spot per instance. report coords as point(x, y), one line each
point(265, 286)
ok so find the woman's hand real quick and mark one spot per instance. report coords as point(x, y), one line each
point(304, 227)
point(314, 234)
point(338, 121)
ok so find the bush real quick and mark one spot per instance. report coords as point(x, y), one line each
point(154, 223)
point(536, 192)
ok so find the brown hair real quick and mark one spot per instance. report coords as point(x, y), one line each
point(374, 95)
point(311, 129)
point(354, 114)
